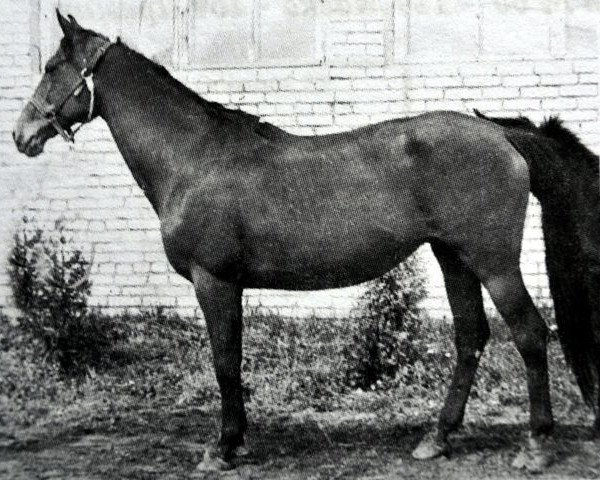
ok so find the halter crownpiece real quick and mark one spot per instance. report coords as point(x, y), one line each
point(86, 78)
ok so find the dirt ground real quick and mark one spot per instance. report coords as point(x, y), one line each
point(157, 440)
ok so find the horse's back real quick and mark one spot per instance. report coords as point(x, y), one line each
point(297, 214)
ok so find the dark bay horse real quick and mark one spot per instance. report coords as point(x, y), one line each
point(244, 204)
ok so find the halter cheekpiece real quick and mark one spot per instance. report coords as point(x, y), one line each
point(85, 78)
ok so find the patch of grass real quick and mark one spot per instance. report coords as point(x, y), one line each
point(290, 365)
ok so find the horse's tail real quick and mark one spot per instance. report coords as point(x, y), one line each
point(578, 324)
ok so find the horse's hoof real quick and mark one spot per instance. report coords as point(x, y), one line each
point(430, 448)
point(213, 462)
point(240, 452)
point(535, 457)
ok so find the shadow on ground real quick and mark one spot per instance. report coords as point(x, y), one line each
point(166, 442)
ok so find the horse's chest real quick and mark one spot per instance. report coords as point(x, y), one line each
point(198, 233)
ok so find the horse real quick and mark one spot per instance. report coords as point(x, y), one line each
point(244, 204)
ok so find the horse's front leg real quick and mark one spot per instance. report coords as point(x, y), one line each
point(221, 303)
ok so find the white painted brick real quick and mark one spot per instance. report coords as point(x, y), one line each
point(382, 117)
point(274, 73)
point(374, 26)
point(143, 224)
point(354, 120)
point(500, 92)
point(539, 92)
point(315, 120)
point(280, 120)
point(370, 84)
point(313, 73)
point(455, 105)
point(554, 66)
point(218, 97)
point(297, 85)
point(264, 86)
point(560, 103)
point(515, 68)
point(251, 109)
point(522, 104)
point(337, 37)
point(307, 107)
point(247, 97)
point(369, 95)
point(585, 66)
point(462, 93)
point(521, 80)
point(588, 78)
point(370, 108)
point(443, 81)
point(478, 69)
point(443, 69)
point(406, 83)
point(374, 72)
point(347, 72)
point(334, 84)
point(240, 75)
point(482, 81)
point(362, 37)
point(484, 105)
point(205, 75)
point(293, 97)
point(322, 108)
point(347, 49)
point(284, 109)
point(225, 87)
point(375, 50)
point(564, 79)
point(403, 71)
point(266, 109)
point(578, 90)
point(347, 26)
point(588, 102)
point(342, 108)
point(579, 115)
point(425, 93)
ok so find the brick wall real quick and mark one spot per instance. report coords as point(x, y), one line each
point(89, 187)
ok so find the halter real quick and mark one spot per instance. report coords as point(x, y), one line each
point(85, 78)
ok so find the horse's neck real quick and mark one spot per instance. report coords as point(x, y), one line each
point(143, 117)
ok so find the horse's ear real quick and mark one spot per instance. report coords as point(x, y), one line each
point(66, 26)
point(74, 23)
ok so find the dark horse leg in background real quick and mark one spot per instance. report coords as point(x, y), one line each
point(221, 303)
point(471, 335)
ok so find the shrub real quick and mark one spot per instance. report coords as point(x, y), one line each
point(49, 280)
point(386, 340)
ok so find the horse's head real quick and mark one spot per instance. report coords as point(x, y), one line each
point(65, 94)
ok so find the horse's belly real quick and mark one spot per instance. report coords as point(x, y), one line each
point(315, 264)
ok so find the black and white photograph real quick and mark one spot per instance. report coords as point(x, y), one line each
point(299, 239)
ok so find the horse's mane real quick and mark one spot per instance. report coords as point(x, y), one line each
point(569, 141)
point(215, 110)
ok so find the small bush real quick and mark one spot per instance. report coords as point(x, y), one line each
point(49, 279)
point(386, 341)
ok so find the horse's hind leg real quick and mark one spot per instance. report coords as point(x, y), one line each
point(471, 334)
point(530, 334)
